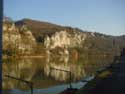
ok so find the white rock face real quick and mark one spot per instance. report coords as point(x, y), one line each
point(60, 39)
point(63, 39)
point(14, 40)
point(93, 34)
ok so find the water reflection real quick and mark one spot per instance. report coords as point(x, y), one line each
point(38, 70)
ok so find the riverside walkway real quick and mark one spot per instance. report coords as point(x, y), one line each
point(113, 83)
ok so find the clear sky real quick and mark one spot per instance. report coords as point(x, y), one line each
point(104, 16)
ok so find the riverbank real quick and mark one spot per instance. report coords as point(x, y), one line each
point(110, 81)
point(51, 90)
point(88, 84)
point(25, 56)
point(93, 83)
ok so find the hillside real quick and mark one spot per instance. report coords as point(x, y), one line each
point(63, 40)
point(39, 29)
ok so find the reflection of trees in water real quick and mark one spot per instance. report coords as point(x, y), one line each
point(38, 70)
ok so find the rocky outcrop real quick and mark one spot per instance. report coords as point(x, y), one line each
point(64, 40)
point(49, 38)
point(17, 39)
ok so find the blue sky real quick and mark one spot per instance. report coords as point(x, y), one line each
point(104, 16)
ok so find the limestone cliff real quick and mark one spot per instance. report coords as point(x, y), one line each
point(17, 39)
point(28, 36)
point(64, 39)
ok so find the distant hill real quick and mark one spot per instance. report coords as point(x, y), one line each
point(51, 36)
point(38, 28)
point(41, 29)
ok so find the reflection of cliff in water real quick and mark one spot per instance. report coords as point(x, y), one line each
point(63, 63)
point(38, 71)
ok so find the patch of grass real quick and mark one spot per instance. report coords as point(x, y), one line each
point(105, 74)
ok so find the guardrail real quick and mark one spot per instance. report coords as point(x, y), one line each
point(30, 84)
point(70, 74)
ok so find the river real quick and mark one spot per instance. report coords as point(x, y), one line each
point(45, 80)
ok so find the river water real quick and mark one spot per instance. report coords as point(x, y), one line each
point(45, 80)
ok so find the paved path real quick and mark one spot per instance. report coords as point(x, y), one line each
point(114, 84)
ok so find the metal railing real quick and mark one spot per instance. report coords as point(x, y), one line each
point(30, 84)
point(70, 74)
